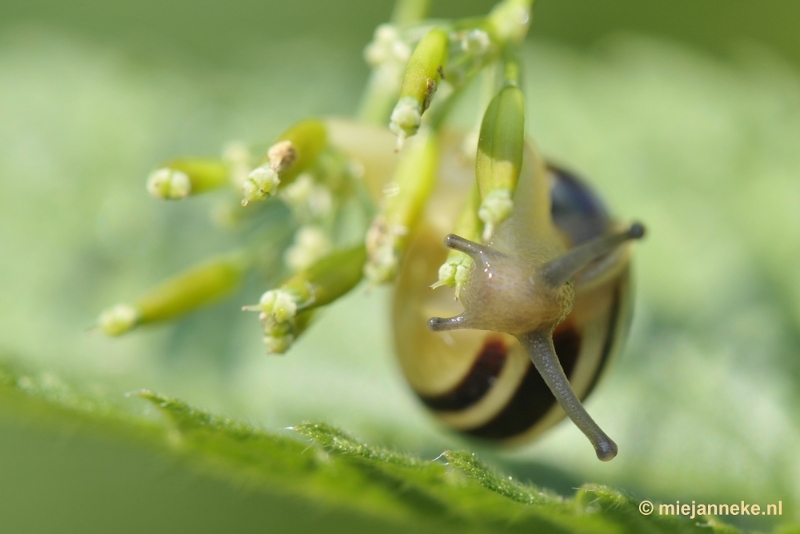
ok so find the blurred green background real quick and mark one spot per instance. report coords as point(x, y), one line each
point(686, 114)
point(222, 32)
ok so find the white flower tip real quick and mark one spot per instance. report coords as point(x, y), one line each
point(381, 243)
point(169, 184)
point(454, 273)
point(379, 272)
point(285, 307)
point(278, 344)
point(488, 231)
point(447, 273)
point(268, 301)
point(495, 208)
point(387, 48)
point(475, 42)
point(311, 244)
point(307, 199)
point(298, 192)
point(277, 306)
point(375, 54)
point(386, 34)
point(261, 183)
point(118, 319)
point(406, 118)
point(278, 337)
point(382, 265)
point(401, 52)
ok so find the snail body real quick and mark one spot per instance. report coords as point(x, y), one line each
point(475, 371)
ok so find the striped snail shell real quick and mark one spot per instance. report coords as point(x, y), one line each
point(475, 371)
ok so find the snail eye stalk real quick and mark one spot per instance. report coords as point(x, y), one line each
point(561, 269)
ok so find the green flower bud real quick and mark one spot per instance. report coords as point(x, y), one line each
point(278, 343)
point(201, 285)
point(295, 151)
point(499, 159)
point(205, 283)
point(454, 272)
point(168, 184)
point(260, 184)
point(279, 337)
point(118, 319)
point(180, 178)
point(329, 278)
point(285, 311)
point(280, 305)
point(423, 74)
point(406, 119)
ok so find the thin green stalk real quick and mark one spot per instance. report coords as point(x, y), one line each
point(410, 11)
point(512, 74)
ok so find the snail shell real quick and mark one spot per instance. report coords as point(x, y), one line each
point(482, 383)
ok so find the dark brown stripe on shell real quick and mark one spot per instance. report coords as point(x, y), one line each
point(479, 380)
point(533, 398)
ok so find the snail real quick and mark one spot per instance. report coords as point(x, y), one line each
point(544, 307)
point(493, 369)
point(544, 294)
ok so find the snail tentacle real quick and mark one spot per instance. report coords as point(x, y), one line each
point(558, 271)
point(442, 324)
point(477, 251)
point(539, 346)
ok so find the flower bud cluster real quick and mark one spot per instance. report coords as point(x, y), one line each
point(310, 170)
point(277, 312)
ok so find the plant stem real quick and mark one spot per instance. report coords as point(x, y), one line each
point(511, 69)
point(410, 11)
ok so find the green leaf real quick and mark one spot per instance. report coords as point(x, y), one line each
point(461, 495)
